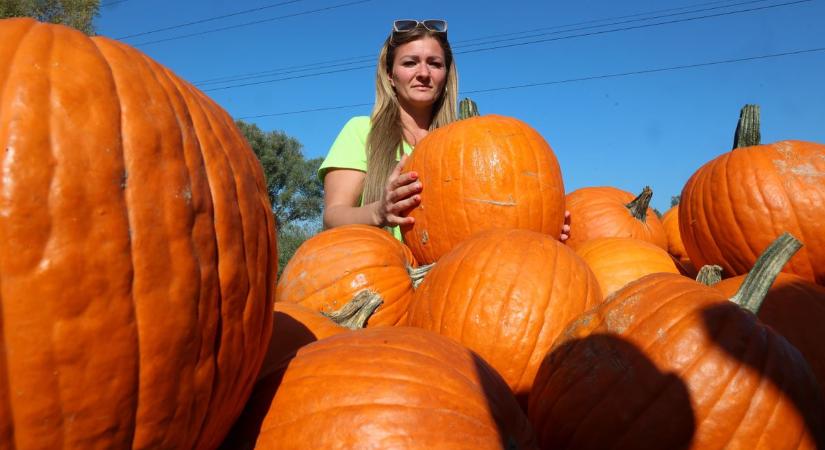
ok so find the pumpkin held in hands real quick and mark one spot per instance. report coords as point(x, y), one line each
point(137, 250)
point(482, 173)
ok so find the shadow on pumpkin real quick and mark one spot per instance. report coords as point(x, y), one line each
point(247, 427)
point(771, 361)
point(601, 392)
point(514, 429)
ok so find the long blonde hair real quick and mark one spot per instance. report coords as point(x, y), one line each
point(384, 142)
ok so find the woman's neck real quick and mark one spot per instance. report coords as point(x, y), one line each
point(415, 124)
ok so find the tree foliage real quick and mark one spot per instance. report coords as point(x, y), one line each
point(294, 189)
point(79, 14)
point(675, 199)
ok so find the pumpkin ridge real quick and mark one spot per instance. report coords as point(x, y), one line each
point(11, 62)
point(504, 306)
point(130, 223)
point(754, 253)
point(395, 380)
point(220, 300)
point(339, 408)
point(421, 356)
point(799, 229)
point(245, 214)
point(544, 307)
point(473, 293)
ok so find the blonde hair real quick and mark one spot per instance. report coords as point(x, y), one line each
point(384, 142)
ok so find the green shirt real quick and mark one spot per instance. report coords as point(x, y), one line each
point(349, 151)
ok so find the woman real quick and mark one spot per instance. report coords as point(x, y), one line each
point(416, 89)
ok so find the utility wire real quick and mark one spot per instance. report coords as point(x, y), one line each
point(498, 47)
point(366, 59)
point(272, 19)
point(636, 27)
point(115, 2)
point(572, 80)
point(209, 19)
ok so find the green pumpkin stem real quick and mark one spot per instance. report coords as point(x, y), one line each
point(638, 207)
point(355, 314)
point(709, 274)
point(754, 289)
point(467, 108)
point(747, 129)
point(417, 273)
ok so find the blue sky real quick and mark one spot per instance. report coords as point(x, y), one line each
point(622, 91)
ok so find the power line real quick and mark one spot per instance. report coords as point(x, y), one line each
point(287, 16)
point(209, 19)
point(574, 80)
point(636, 27)
point(457, 44)
point(498, 47)
point(114, 2)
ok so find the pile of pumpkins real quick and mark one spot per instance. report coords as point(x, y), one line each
point(604, 340)
point(140, 306)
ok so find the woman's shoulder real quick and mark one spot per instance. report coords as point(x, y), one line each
point(358, 123)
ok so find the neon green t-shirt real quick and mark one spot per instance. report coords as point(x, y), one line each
point(349, 151)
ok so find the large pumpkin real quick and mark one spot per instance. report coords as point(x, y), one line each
point(605, 211)
point(137, 250)
point(329, 269)
point(669, 363)
point(736, 204)
point(507, 295)
point(617, 261)
point(392, 387)
point(482, 173)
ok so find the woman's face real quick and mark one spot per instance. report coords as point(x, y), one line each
point(419, 72)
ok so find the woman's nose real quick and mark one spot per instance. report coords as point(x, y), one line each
point(423, 71)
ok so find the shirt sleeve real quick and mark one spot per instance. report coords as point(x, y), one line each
point(349, 150)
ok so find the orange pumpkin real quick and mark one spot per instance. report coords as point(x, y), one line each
point(506, 294)
point(611, 212)
point(330, 268)
point(669, 363)
point(392, 387)
point(137, 250)
point(736, 204)
point(670, 220)
point(481, 173)
point(795, 308)
point(617, 261)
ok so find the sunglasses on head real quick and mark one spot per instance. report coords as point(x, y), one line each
point(437, 25)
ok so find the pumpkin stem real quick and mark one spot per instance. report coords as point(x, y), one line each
point(709, 274)
point(467, 108)
point(753, 290)
point(747, 129)
point(355, 314)
point(638, 207)
point(417, 273)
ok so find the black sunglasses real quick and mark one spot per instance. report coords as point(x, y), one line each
point(403, 25)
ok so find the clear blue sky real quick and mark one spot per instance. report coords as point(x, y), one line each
point(653, 128)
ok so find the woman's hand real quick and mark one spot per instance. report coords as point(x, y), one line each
point(400, 196)
point(565, 228)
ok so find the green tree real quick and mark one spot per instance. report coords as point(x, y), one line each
point(78, 14)
point(294, 189)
